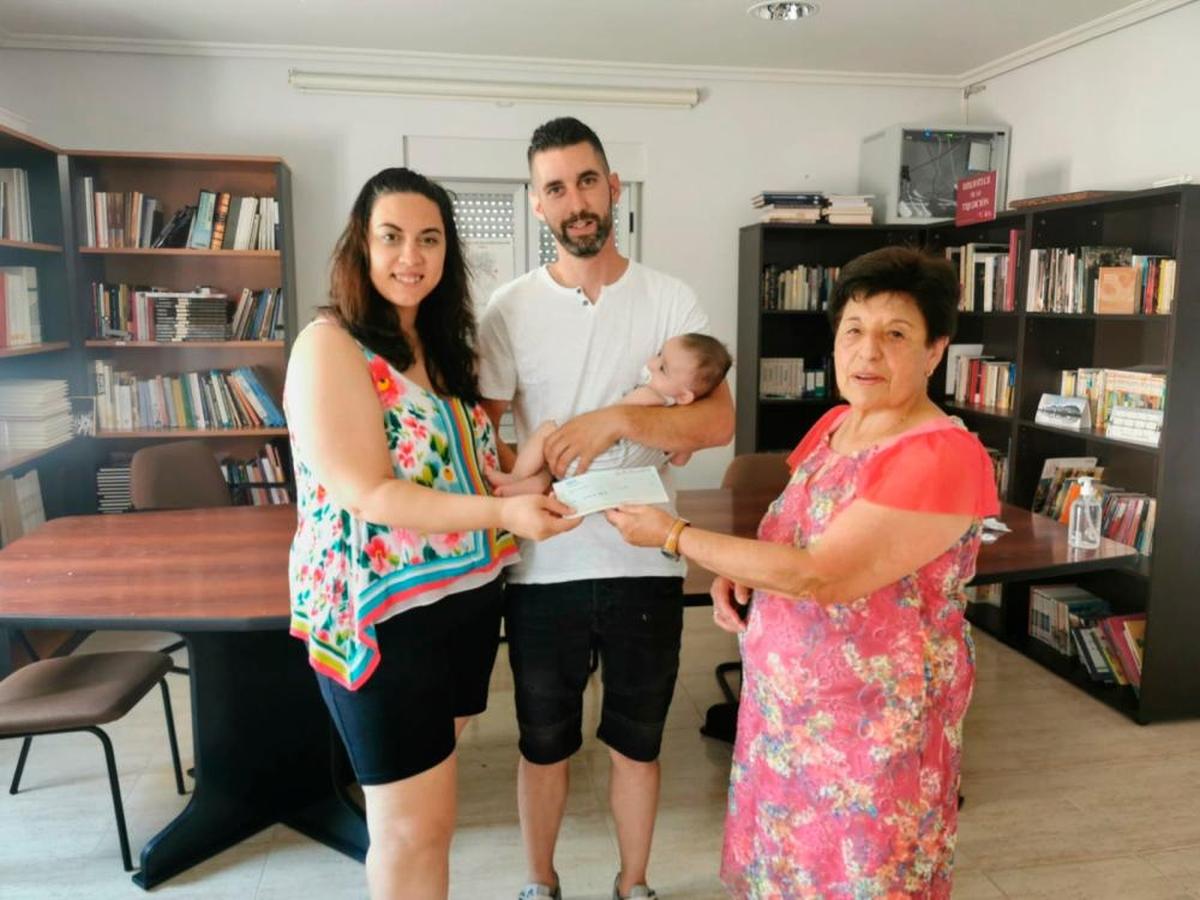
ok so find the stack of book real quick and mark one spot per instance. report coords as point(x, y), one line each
point(15, 223)
point(977, 379)
point(848, 209)
point(35, 414)
point(1128, 403)
point(20, 315)
point(21, 508)
point(113, 492)
point(116, 219)
point(789, 206)
point(194, 316)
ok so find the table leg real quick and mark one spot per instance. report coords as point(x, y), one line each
point(262, 755)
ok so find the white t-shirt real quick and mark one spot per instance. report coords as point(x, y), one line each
point(556, 355)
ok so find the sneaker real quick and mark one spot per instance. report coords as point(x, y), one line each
point(637, 892)
point(540, 892)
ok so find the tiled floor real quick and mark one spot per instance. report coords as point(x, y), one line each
point(1066, 799)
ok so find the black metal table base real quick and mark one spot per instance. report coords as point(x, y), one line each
point(263, 754)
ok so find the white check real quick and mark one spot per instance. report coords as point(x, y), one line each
point(594, 491)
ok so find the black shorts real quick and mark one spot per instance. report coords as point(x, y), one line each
point(634, 623)
point(435, 664)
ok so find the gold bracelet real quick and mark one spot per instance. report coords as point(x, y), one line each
point(670, 547)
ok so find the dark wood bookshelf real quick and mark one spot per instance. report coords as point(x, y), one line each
point(1163, 221)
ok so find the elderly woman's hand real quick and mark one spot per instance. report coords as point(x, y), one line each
point(642, 526)
point(725, 593)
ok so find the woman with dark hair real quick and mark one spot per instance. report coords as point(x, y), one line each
point(395, 565)
point(858, 662)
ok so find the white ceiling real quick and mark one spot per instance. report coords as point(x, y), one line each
point(927, 37)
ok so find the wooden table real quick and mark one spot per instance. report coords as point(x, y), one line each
point(262, 741)
point(1036, 548)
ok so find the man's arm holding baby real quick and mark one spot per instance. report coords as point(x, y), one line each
point(707, 422)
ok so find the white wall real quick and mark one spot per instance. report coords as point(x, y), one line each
point(702, 165)
point(1117, 112)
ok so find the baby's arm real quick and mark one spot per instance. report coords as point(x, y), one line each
point(681, 458)
point(530, 458)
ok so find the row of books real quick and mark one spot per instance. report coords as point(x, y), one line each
point(786, 378)
point(20, 314)
point(218, 220)
point(798, 288)
point(983, 381)
point(132, 313)
point(21, 507)
point(987, 274)
point(1128, 403)
point(1077, 623)
point(35, 414)
point(116, 218)
point(999, 460)
point(261, 481)
point(813, 206)
point(15, 221)
point(210, 400)
point(1100, 280)
point(114, 493)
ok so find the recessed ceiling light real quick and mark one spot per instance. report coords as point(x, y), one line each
point(783, 12)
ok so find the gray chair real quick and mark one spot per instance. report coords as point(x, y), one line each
point(81, 693)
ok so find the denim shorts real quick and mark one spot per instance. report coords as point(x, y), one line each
point(633, 623)
point(435, 664)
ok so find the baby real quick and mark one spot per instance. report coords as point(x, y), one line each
point(689, 367)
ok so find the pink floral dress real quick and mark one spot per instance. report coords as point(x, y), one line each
point(347, 574)
point(846, 768)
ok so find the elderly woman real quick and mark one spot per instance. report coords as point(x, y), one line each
point(858, 664)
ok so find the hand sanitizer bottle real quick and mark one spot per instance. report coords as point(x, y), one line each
point(1084, 528)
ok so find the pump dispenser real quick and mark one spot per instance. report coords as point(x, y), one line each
point(1084, 528)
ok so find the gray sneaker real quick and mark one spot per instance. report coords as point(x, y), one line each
point(540, 892)
point(637, 892)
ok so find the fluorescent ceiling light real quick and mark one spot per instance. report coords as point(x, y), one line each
point(783, 12)
point(494, 91)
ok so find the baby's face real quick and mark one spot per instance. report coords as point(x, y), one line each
point(672, 371)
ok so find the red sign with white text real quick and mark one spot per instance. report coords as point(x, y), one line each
point(975, 200)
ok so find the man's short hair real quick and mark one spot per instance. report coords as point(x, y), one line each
point(712, 361)
point(564, 132)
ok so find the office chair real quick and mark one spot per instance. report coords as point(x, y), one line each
point(177, 475)
point(81, 693)
point(767, 472)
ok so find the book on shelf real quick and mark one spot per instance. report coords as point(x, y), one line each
point(21, 507)
point(35, 414)
point(983, 271)
point(798, 288)
point(1116, 291)
point(15, 221)
point(848, 209)
point(175, 233)
point(1055, 470)
point(1124, 645)
point(114, 493)
point(263, 480)
point(125, 312)
point(200, 235)
point(983, 381)
point(220, 220)
point(1057, 609)
point(203, 401)
point(20, 312)
point(1100, 280)
point(954, 352)
point(788, 199)
point(781, 377)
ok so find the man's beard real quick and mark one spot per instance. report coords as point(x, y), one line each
point(587, 245)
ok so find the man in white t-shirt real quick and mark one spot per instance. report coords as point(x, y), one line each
point(565, 342)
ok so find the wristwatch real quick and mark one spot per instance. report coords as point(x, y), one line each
point(670, 547)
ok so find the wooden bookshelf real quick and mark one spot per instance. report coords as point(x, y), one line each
point(178, 251)
point(181, 433)
point(184, 345)
point(1164, 222)
point(33, 349)
point(6, 244)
